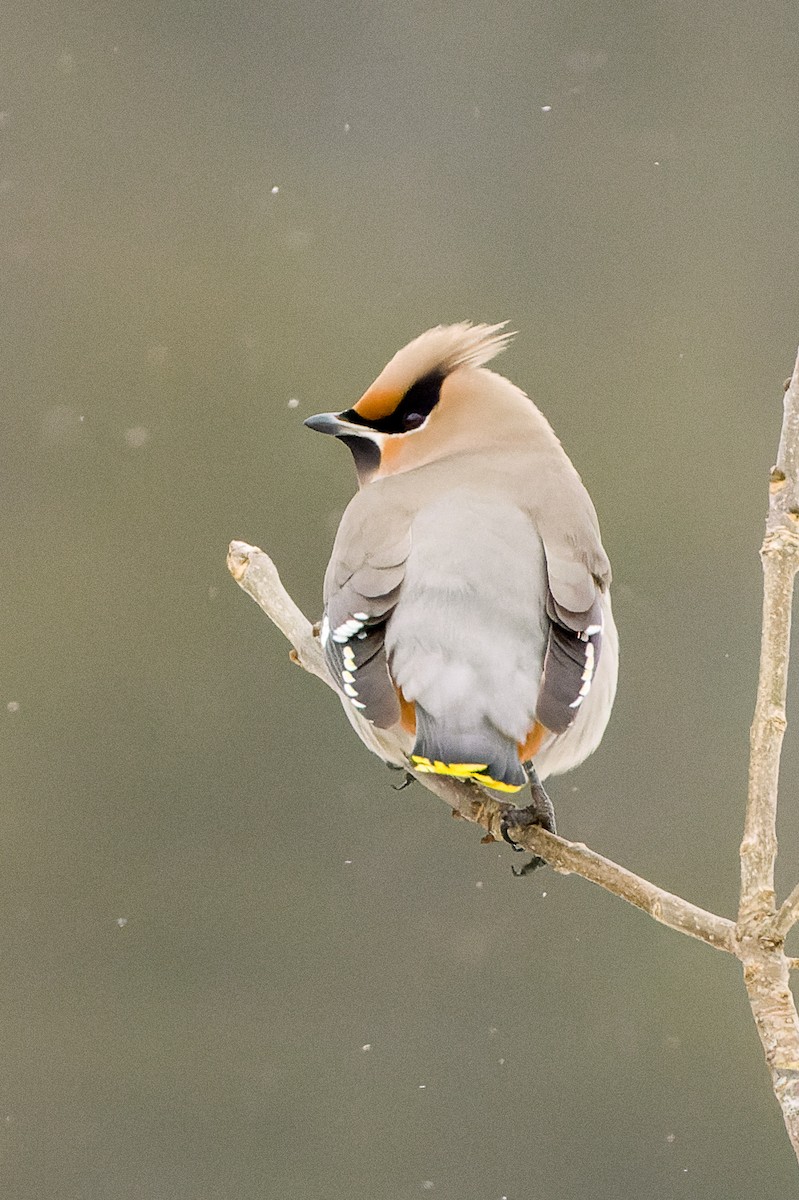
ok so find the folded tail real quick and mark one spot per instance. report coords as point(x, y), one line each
point(482, 754)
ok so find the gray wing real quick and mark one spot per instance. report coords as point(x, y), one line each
point(575, 634)
point(358, 602)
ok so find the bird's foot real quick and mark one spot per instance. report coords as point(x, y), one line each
point(539, 811)
point(515, 818)
point(400, 787)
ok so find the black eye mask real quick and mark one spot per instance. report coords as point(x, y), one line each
point(412, 411)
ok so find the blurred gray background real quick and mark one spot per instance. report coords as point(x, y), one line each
point(235, 963)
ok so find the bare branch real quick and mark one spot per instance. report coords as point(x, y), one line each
point(788, 915)
point(780, 557)
point(788, 452)
point(761, 930)
point(759, 845)
point(576, 858)
point(255, 572)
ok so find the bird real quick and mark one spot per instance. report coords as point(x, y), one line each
point(467, 613)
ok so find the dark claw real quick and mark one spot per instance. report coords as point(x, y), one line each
point(400, 787)
point(511, 817)
point(539, 812)
point(521, 816)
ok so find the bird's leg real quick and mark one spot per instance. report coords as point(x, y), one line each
point(542, 808)
point(539, 811)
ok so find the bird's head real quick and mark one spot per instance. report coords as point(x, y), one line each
point(424, 402)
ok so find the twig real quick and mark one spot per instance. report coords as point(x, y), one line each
point(761, 930)
point(255, 572)
point(788, 915)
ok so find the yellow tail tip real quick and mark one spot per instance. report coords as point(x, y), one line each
point(474, 771)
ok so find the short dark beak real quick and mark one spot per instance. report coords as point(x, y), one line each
point(325, 423)
point(361, 440)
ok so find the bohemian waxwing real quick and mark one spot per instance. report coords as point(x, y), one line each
point(467, 612)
